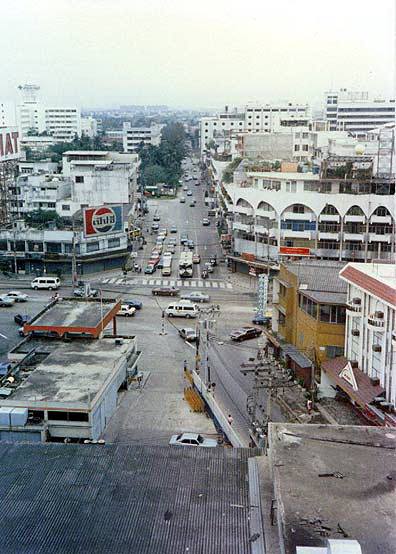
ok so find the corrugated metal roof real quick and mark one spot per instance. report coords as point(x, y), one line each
point(118, 498)
point(320, 276)
point(322, 297)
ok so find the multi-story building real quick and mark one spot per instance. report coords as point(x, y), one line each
point(63, 123)
point(367, 373)
point(89, 126)
point(7, 114)
point(133, 137)
point(357, 112)
point(253, 118)
point(309, 302)
point(275, 214)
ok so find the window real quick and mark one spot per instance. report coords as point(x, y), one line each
point(66, 207)
point(298, 209)
point(52, 204)
point(305, 135)
point(3, 245)
point(305, 147)
point(54, 247)
point(113, 243)
point(291, 186)
point(332, 314)
point(296, 147)
point(92, 246)
point(282, 290)
point(334, 351)
point(308, 306)
point(68, 416)
point(79, 179)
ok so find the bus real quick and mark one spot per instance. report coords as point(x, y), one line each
point(186, 264)
point(167, 266)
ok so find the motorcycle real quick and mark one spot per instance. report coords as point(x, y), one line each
point(205, 274)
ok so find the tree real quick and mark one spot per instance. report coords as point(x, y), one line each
point(228, 173)
point(42, 219)
point(154, 174)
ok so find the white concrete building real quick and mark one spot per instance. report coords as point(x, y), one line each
point(357, 112)
point(63, 123)
point(7, 114)
point(132, 137)
point(89, 126)
point(370, 331)
point(331, 218)
point(253, 118)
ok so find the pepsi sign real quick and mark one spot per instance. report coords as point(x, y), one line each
point(102, 220)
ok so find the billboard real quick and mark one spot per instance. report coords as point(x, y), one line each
point(102, 220)
point(294, 251)
point(9, 144)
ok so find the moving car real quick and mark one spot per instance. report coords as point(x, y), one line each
point(80, 292)
point(183, 238)
point(182, 200)
point(165, 291)
point(192, 439)
point(163, 231)
point(48, 283)
point(205, 222)
point(245, 333)
point(126, 310)
point(149, 269)
point(154, 227)
point(189, 193)
point(192, 203)
point(6, 302)
point(171, 248)
point(134, 304)
point(173, 229)
point(191, 244)
point(156, 217)
point(172, 240)
point(188, 334)
point(185, 189)
point(184, 308)
point(21, 319)
point(195, 296)
point(262, 320)
point(17, 296)
point(196, 259)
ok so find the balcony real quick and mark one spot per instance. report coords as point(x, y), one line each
point(242, 226)
point(375, 322)
point(354, 308)
point(354, 237)
point(243, 210)
point(263, 230)
point(355, 219)
point(271, 214)
point(374, 237)
point(288, 233)
point(394, 339)
point(386, 219)
point(326, 235)
point(298, 217)
point(330, 218)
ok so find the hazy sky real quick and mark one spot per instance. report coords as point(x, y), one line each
point(195, 53)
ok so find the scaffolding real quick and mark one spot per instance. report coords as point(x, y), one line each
point(8, 175)
point(386, 146)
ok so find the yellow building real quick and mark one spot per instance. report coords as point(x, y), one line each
point(308, 319)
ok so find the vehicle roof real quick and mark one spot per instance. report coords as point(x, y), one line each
point(188, 329)
point(190, 435)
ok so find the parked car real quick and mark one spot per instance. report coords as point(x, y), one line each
point(21, 319)
point(205, 222)
point(49, 283)
point(195, 296)
point(188, 334)
point(165, 291)
point(192, 439)
point(196, 259)
point(80, 292)
point(245, 333)
point(126, 310)
point(192, 204)
point(17, 296)
point(173, 229)
point(6, 302)
point(134, 304)
point(262, 320)
point(149, 269)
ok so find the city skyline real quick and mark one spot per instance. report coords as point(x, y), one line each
point(102, 54)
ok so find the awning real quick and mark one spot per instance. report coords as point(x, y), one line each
point(356, 384)
point(273, 340)
point(298, 357)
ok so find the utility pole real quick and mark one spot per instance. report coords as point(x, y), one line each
point(207, 327)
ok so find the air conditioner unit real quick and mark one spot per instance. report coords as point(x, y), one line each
point(356, 301)
point(377, 348)
point(374, 381)
point(379, 315)
point(355, 332)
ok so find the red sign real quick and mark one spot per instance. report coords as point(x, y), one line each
point(9, 144)
point(294, 251)
point(248, 257)
point(102, 220)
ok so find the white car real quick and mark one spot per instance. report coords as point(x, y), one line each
point(17, 296)
point(126, 310)
point(195, 297)
point(192, 439)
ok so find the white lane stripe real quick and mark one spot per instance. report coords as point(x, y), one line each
point(119, 281)
point(193, 284)
point(111, 281)
point(144, 281)
point(214, 285)
point(200, 283)
point(186, 284)
point(105, 281)
point(151, 282)
point(165, 282)
point(229, 286)
point(172, 283)
point(222, 285)
point(158, 282)
point(179, 283)
point(207, 285)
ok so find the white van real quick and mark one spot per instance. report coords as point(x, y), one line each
point(48, 283)
point(182, 309)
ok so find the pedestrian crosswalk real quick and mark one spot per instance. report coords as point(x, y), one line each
point(147, 282)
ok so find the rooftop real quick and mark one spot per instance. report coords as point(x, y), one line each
point(292, 176)
point(86, 153)
point(75, 315)
point(318, 276)
point(377, 279)
point(124, 499)
point(334, 482)
point(67, 372)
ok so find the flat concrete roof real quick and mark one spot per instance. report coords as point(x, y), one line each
point(334, 481)
point(73, 313)
point(71, 372)
point(85, 153)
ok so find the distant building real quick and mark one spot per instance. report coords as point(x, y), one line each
point(63, 123)
point(367, 373)
point(89, 127)
point(309, 302)
point(7, 114)
point(133, 137)
point(357, 112)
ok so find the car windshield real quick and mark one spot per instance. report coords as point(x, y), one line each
point(200, 438)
